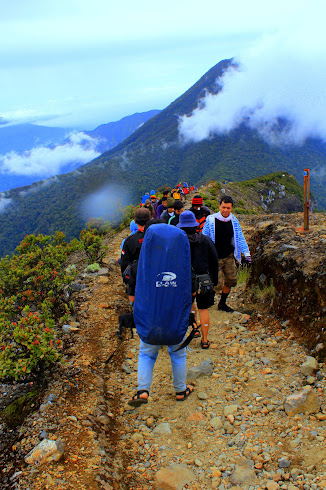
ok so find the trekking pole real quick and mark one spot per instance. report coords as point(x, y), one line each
point(306, 198)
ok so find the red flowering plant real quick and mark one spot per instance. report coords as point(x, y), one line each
point(33, 279)
point(27, 344)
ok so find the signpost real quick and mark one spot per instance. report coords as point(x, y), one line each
point(306, 198)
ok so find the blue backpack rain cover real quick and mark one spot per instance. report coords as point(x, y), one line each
point(163, 287)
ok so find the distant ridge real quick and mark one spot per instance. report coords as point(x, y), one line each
point(150, 157)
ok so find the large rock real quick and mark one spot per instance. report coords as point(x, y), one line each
point(305, 401)
point(243, 473)
point(205, 368)
point(174, 477)
point(310, 366)
point(45, 451)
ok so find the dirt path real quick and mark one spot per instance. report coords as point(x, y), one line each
point(232, 431)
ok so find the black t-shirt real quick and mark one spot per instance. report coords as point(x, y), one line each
point(223, 238)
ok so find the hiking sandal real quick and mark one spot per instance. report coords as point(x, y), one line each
point(197, 333)
point(136, 400)
point(184, 393)
point(205, 345)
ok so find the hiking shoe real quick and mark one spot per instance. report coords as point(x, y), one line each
point(225, 308)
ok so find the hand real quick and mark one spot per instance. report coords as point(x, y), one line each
point(131, 299)
point(248, 260)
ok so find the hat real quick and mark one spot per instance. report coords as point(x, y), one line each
point(170, 202)
point(153, 195)
point(133, 227)
point(152, 192)
point(197, 201)
point(187, 220)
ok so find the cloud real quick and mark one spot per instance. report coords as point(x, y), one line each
point(279, 88)
point(45, 161)
point(4, 203)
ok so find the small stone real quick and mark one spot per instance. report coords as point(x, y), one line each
point(216, 423)
point(162, 429)
point(284, 462)
point(198, 462)
point(272, 485)
point(202, 396)
point(230, 409)
point(196, 417)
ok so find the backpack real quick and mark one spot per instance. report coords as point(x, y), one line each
point(163, 287)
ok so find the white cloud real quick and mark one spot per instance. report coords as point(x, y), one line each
point(4, 203)
point(44, 161)
point(282, 77)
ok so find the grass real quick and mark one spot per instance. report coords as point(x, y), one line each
point(265, 293)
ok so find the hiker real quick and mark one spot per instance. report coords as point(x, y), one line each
point(144, 198)
point(166, 193)
point(201, 212)
point(162, 307)
point(178, 208)
point(131, 250)
point(154, 202)
point(176, 194)
point(169, 211)
point(225, 231)
point(148, 204)
point(161, 207)
point(133, 228)
point(204, 260)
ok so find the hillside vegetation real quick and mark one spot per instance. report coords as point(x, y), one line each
point(153, 155)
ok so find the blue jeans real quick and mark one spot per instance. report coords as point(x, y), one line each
point(146, 361)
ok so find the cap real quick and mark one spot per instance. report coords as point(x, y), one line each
point(170, 202)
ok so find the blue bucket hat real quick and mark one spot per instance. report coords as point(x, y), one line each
point(187, 220)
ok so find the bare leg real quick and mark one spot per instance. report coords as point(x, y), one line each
point(204, 320)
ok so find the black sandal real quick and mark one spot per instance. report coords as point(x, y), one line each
point(197, 333)
point(136, 400)
point(184, 393)
point(205, 345)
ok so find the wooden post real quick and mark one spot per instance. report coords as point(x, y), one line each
point(306, 198)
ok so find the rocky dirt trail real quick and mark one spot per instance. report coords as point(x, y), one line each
point(256, 419)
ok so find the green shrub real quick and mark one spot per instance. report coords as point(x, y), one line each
point(91, 242)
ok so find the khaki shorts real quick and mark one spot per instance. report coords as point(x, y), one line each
point(227, 273)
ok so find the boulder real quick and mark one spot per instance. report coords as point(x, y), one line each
point(45, 451)
point(174, 477)
point(310, 366)
point(305, 401)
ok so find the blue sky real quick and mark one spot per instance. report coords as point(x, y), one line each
point(80, 64)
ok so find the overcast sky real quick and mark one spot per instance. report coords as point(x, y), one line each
point(84, 63)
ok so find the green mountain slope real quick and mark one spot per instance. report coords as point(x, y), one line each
point(151, 157)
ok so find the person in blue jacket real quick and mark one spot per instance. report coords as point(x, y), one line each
point(225, 231)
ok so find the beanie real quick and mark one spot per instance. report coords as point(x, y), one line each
point(170, 202)
point(197, 201)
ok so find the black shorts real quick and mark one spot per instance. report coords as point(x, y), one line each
point(205, 301)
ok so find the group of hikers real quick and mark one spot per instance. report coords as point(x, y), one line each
point(171, 271)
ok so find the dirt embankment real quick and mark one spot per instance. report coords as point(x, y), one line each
point(292, 263)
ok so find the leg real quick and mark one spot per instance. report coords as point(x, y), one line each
point(230, 279)
point(204, 320)
point(179, 367)
point(146, 361)
point(179, 372)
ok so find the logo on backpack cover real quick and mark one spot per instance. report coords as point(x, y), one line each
point(166, 280)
